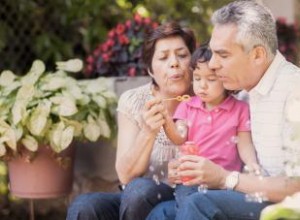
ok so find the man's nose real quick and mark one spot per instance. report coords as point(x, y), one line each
point(213, 63)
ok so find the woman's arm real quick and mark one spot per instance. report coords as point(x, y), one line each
point(135, 143)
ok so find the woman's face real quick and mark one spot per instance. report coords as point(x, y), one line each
point(170, 66)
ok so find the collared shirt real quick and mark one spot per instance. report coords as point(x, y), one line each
point(268, 101)
point(215, 131)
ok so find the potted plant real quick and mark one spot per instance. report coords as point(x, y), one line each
point(41, 113)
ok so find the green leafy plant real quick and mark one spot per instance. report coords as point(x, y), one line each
point(287, 209)
point(52, 108)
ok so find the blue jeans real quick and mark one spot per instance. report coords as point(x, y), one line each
point(215, 204)
point(135, 202)
point(182, 192)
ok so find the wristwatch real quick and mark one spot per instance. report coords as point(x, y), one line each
point(232, 180)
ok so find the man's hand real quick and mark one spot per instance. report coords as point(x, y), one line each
point(202, 171)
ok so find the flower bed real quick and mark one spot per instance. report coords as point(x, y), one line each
point(120, 54)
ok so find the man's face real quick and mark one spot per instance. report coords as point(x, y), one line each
point(232, 64)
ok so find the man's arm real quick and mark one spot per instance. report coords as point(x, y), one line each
point(214, 176)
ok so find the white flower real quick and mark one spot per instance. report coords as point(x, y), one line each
point(73, 65)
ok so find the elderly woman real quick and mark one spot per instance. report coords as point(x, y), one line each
point(143, 148)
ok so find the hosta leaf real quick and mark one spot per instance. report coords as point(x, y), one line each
point(54, 83)
point(10, 88)
point(100, 100)
point(91, 130)
point(25, 93)
point(18, 111)
point(104, 127)
point(75, 124)
point(55, 136)
point(66, 137)
point(65, 106)
point(38, 119)
point(37, 69)
point(73, 65)
point(7, 77)
point(11, 139)
point(30, 143)
point(2, 150)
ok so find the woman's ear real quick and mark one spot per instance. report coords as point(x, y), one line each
point(149, 72)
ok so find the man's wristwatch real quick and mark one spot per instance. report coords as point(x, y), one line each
point(232, 180)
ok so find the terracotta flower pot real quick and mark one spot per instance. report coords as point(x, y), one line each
point(45, 176)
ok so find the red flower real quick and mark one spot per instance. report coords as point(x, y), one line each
point(131, 71)
point(111, 34)
point(105, 57)
point(128, 24)
point(90, 59)
point(123, 40)
point(120, 29)
point(120, 54)
point(138, 18)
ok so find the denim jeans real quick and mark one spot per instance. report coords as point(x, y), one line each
point(135, 202)
point(214, 204)
point(182, 192)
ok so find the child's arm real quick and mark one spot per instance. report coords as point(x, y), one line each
point(176, 131)
point(247, 151)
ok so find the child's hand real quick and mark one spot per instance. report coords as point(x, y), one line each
point(253, 168)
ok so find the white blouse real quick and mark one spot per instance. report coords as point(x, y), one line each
point(131, 104)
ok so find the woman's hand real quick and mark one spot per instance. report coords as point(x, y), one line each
point(173, 176)
point(153, 116)
point(202, 171)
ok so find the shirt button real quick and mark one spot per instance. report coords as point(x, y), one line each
point(209, 118)
point(217, 110)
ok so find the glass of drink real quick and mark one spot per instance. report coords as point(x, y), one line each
point(188, 148)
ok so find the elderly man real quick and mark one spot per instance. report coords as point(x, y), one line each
point(245, 56)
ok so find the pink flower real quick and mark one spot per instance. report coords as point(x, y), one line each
point(128, 24)
point(111, 34)
point(90, 59)
point(105, 57)
point(131, 71)
point(123, 39)
point(138, 18)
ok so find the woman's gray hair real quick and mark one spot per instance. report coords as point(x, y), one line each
point(255, 23)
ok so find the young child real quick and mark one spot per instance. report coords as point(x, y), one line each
point(214, 120)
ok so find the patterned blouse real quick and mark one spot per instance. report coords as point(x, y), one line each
point(131, 104)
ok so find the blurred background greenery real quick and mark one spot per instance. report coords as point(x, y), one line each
point(62, 29)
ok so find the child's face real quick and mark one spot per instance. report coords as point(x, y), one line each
point(207, 86)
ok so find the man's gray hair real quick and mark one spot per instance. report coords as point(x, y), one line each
point(255, 23)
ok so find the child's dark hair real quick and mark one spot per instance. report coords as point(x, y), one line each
point(201, 55)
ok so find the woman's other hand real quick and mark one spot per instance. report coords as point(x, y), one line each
point(173, 176)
